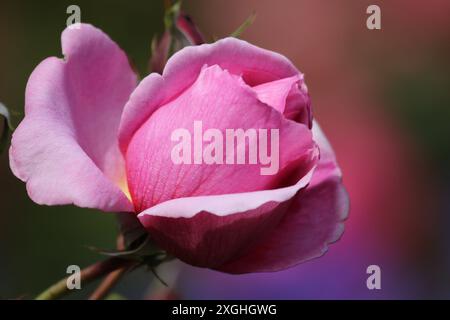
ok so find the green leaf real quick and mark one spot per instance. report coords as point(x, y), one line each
point(248, 22)
point(5, 127)
point(145, 251)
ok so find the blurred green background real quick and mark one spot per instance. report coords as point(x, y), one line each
point(37, 243)
point(382, 97)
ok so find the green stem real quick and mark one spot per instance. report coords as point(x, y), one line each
point(95, 271)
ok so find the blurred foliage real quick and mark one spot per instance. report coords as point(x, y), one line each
point(420, 100)
point(34, 27)
point(39, 242)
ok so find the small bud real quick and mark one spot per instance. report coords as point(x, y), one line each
point(185, 24)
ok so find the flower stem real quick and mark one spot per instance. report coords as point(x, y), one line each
point(95, 271)
point(111, 279)
point(107, 284)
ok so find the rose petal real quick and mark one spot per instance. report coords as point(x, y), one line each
point(298, 105)
point(66, 147)
point(275, 93)
point(315, 219)
point(254, 64)
point(152, 175)
point(208, 231)
point(289, 96)
point(149, 95)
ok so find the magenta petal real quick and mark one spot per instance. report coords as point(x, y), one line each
point(66, 147)
point(314, 220)
point(276, 92)
point(152, 175)
point(298, 105)
point(145, 99)
point(289, 96)
point(254, 64)
point(208, 231)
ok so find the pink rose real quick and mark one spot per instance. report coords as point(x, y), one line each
point(94, 137)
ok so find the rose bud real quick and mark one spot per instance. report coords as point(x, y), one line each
point(180, 31)
point(93, 137)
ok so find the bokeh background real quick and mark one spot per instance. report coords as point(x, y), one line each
point(382, 97)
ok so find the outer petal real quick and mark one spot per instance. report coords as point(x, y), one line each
point(208, 231)
point(315, 219)
point(254, 64)
point(66, 147)
point(221, 102)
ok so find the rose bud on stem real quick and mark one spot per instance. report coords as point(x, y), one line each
point(180, 31)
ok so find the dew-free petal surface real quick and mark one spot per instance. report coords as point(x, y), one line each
point(66, 147)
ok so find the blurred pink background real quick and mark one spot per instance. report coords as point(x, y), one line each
point(394, 186)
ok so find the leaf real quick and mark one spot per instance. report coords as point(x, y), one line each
point(143, 249)
point(146, 252)
point(248, 22)
point(5, 127)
